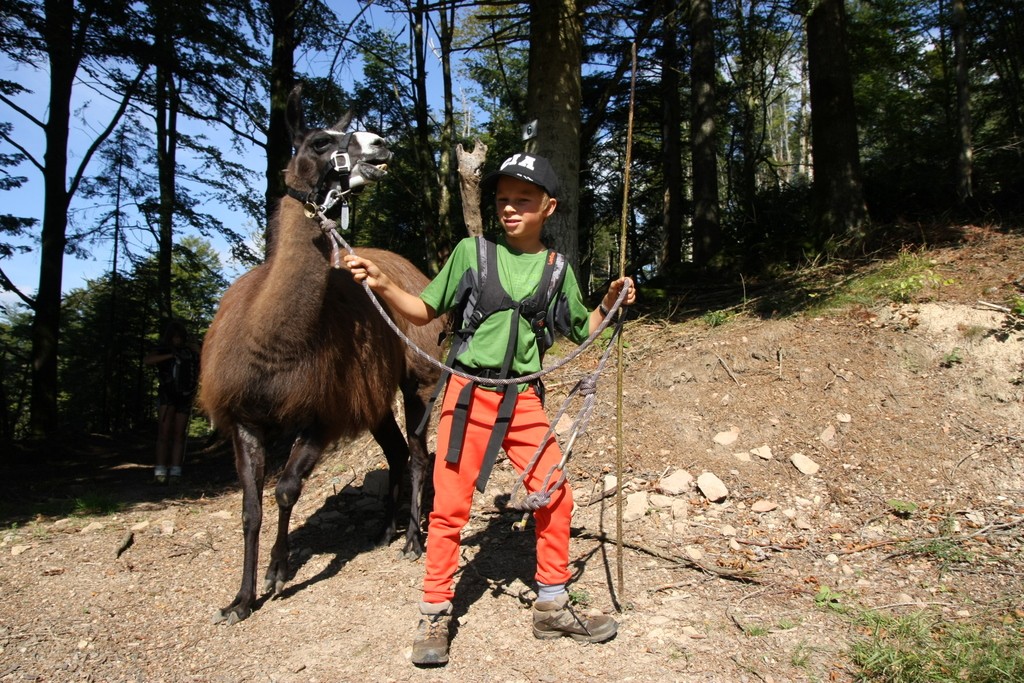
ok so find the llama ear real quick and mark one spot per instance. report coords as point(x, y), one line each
point(343, 122)
point(295, 117)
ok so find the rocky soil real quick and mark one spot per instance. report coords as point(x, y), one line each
point(868, 458)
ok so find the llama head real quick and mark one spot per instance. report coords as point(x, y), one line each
point(329, 163)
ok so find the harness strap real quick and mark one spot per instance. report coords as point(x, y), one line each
point(491, 298)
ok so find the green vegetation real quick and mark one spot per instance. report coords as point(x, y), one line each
point(926, 646)
point(95, 505)
point(909, 277)
point(952, 358)
point(902, 508)
point(715, 318)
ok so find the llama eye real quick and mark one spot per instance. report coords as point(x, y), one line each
point(321, 143)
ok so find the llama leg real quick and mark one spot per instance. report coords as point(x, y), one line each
point(421, 499)
point(396, 450)
point(305, 454)
point(250, 459)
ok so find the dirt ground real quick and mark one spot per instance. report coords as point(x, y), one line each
point(912, 413)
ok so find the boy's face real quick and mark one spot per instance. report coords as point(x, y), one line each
point(522, 209)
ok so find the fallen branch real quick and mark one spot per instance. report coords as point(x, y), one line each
point(734, 575)
point(722, 361)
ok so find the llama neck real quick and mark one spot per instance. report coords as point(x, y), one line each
point(297, 282)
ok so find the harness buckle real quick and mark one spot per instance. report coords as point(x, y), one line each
point(342, 162)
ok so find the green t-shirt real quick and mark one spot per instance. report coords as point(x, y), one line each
point(519, 273)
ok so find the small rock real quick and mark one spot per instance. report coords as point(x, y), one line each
point(139, 526)
point(611, 482)
point(661, 501)
point(221, 514)
point(694, 553)
point(828, 434)
point(844, 417)
point(804, 464)
point(676, 483)
point(763, 506)
point(691, 632)
point(89, 528)
point(728, 530)
point(563, 425)
point(763, 452)
point(742, 457)
point(19, 549)
point(636, 506)
point(832, 558)
point(727, 438)
point(712, 487)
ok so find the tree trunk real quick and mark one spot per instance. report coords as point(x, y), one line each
point(470, 172)
point(422, 136)
point(167, 106)
point(282, 80)
point(840, 210)
point(671, 135)
point(707, 233)
point(554, 100)
point(965, 158)
point(58, 35)
point(449, 168)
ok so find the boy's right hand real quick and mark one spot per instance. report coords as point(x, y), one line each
point(364, 270)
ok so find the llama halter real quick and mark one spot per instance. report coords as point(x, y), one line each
point(351, 177)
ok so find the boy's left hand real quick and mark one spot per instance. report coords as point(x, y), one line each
point(615, 288)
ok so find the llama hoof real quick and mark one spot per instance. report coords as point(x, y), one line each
point(229, 616)
point(411, 551)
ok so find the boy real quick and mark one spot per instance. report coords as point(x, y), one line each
point(526, 196)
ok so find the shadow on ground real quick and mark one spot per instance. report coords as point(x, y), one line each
point(93, 474)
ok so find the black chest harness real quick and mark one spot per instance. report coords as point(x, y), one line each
point(485, 299)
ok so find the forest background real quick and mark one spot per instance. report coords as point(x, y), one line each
point(767, 136)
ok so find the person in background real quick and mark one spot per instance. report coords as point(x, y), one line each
point(176, 359)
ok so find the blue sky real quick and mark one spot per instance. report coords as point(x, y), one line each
point(23, 270)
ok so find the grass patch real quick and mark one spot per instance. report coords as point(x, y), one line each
point(95, 505)
point(908, 277)
point(924, 647)
point(715, 318)
point(921, 647)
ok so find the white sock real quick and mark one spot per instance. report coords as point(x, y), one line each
point(175, 470)
point(160, 471)
point(547, 593)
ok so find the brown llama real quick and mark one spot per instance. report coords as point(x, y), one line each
point(297, 349)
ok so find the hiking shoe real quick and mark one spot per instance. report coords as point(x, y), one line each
point(555, 618)
point(430, 647)
point(160, 479)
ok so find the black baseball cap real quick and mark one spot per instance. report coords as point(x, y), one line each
point(529, 167)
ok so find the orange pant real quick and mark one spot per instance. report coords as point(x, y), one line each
point(454, 485)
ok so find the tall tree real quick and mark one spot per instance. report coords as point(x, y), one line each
point(840, 209)
point(554, 100)
point(964, 166)
point(283, 43)
point(671, 136)
point(707, 235)
point(69, 36)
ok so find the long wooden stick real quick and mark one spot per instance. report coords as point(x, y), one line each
point(618, 350)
